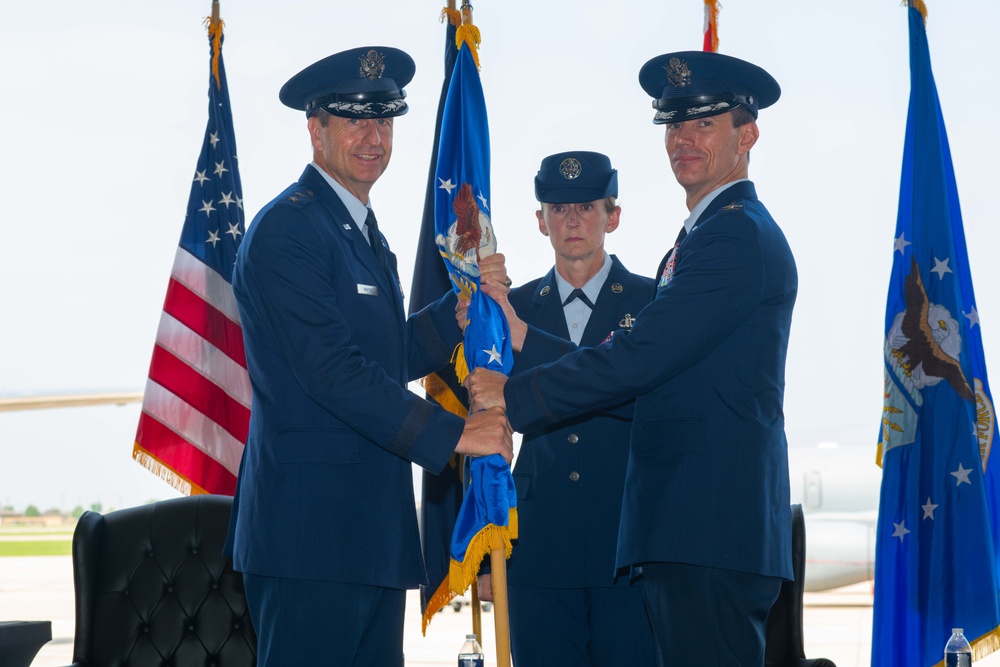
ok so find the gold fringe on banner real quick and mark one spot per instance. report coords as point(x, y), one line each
point(442, 596)
point(461, 575)
point(439, 390)
point(215, 32)
point(981, 647)
point(164, 472)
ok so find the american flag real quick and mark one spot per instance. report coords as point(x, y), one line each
point(196, 406)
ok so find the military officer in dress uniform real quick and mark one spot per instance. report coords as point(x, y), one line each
point(706, 510)
point(566, 599)
point(324, 525)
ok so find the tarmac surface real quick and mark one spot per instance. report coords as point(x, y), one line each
point(33, 588)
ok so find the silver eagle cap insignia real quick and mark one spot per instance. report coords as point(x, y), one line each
point(372, 65)
point(678, 74)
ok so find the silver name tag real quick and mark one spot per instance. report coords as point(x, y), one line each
point(367, 290)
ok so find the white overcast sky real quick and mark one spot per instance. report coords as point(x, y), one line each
point(104, 110)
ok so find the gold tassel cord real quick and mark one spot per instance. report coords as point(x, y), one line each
point(919, 6)
point(215, 32)
point(468, 34)
point(458, 361)
point(453, 16)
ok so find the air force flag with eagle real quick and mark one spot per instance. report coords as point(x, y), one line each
point(935, 563)
point(462, 213)
point(487, 519)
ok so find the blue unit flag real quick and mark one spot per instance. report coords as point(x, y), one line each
point(464, 235)
point(935, 564)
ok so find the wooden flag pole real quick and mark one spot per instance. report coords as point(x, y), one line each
point(498, 557)
point(477, 611)
point(215, 11)
point(498, 565)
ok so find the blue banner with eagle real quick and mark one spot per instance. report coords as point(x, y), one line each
point(935, 563)
point(487, 519)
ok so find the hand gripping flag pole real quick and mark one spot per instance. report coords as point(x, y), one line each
point(487, 520)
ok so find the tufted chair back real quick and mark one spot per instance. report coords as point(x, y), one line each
point(784, 644)
point(153, 589)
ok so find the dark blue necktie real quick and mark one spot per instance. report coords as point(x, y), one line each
point(375, 239)
point(578, 294)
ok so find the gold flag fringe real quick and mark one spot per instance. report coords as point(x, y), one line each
point(461, 575)
point(442, 596)
point(919, 6)
point(453, 16)
point(986, 644)
point(439, 390)
point(165, 472)
point(469, 35)
point(215, 32)
point(982, 647)
point(712, 21)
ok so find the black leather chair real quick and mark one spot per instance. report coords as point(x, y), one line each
point(784, 642)
point(153, 589)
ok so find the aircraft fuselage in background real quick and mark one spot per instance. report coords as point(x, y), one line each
point(838, 487)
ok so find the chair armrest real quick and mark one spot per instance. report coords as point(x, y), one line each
point(814, 662)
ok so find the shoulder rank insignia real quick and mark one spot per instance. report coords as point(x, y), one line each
point(732, 207)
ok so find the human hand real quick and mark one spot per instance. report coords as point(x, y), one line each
point(518, 327)
point(486, 389)
point(486, 588)
point(487, 432)
point(493, 270)
point(462, 313)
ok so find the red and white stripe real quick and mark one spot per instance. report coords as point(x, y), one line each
point(196, 407)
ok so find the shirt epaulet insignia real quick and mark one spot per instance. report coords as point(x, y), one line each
point(300, 197)
point(732, 207)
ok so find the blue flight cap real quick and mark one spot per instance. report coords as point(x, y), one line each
point(366, 82)
point(575, 177)
point(696, 84)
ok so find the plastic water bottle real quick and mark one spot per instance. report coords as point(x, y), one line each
point(957, 652)
point(471, 653)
